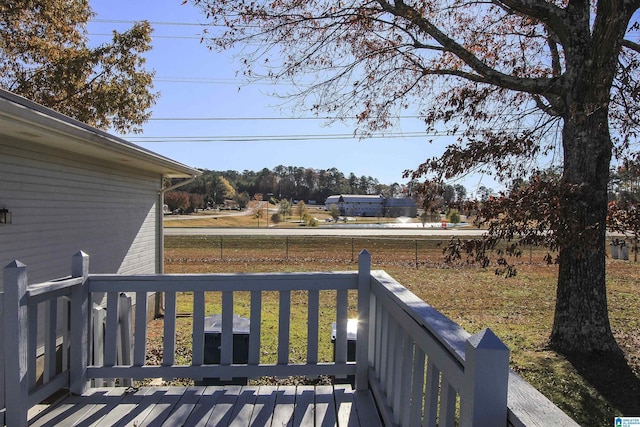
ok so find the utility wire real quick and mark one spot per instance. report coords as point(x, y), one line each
point(158, 23)
point(284, 138)
point(153, 36)
point(270, 138)
point(194, 24)
point(231, 119)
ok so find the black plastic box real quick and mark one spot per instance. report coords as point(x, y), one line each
point(213, 344)
point(352, 332)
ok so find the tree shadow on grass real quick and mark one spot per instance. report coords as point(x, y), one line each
point(612, 377)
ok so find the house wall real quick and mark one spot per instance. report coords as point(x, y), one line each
point(62, 203)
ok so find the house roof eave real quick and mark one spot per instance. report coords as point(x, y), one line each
point(26, 120)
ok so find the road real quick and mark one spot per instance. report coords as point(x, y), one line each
point(321, 231)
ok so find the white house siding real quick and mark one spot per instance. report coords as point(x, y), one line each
point(62, 203)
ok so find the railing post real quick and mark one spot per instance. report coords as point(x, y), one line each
point(79, 325)
point(362, 337)
point(483, 397)
point(15, 324)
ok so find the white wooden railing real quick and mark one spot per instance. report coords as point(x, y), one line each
point(421, 367)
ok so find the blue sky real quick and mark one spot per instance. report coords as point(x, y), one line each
point(195, 82)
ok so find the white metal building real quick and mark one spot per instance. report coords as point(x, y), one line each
point(365, 205)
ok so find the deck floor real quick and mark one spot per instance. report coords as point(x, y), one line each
point(322, 405)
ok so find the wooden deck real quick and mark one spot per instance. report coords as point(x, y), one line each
point(321, 405)
point(418, 366)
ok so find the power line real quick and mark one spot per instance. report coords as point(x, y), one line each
point(158, 23)
point(194, 24)
point(202, 80)
point(292, 138)
point(153, 36)
point(273, 138)
point(231, 119)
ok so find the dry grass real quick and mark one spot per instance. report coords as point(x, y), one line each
point(519, 310)
point(247, 218)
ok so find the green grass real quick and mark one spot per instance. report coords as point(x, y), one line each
point(269, 322)
point(519, 310)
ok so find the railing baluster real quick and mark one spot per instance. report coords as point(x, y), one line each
point(111, 330)
point(431, 395)
point(254, 327)
point(226, 352)
point(197, 349)
point(447, 404)
point(99, 320)
point(111, 334)
point(283, 327)
point(395, 392)
point(392, 340)
point(405, 385)
point(50, 331)
point(312, 325)
point(377, 355)
point(64, 320)
point(342, 301)
point(417, 387)
point(384, 345)
point(32, 344)
point(169, 342)
point(125, 330)
point(140, 332)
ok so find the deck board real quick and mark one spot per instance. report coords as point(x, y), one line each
point(221, 414)
point(202, 410)
point(163, 407)
point(283, 410)
point(322, 405)
point(303, 413)
point(264, 406)
point(325, 406)
point(243, 409)
point(184, 407)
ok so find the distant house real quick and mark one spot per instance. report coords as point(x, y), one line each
point(72, 187)
point(364, 205)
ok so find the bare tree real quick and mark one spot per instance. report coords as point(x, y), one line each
point(514, 80)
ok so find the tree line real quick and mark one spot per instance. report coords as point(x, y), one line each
point(215, 188)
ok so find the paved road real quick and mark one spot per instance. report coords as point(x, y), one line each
point(321, 231)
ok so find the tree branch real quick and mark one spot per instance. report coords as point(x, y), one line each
point(485, 73)
point(631, 45)
point(546, 12)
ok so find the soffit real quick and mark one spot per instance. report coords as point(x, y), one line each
point(27, 121)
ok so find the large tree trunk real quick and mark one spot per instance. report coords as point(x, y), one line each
point(581, 323)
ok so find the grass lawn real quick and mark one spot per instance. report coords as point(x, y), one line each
point(519, 310)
